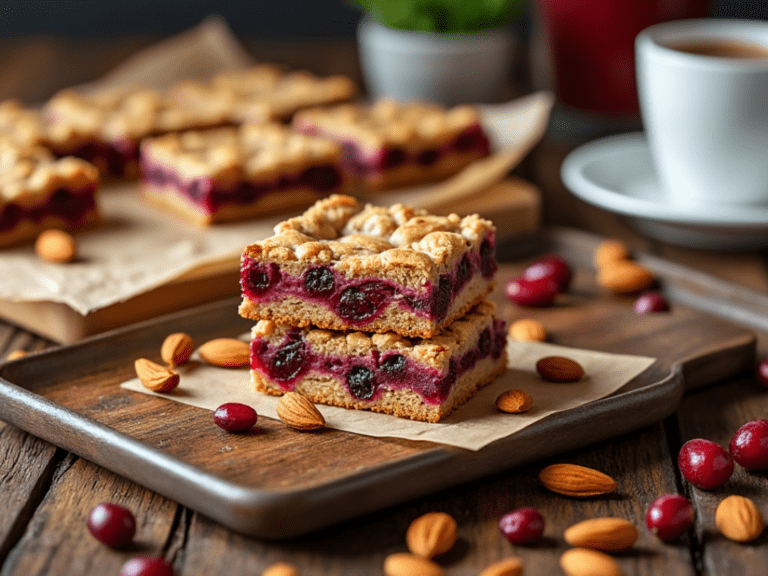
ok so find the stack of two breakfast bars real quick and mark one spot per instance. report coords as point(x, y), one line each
point(374, 308)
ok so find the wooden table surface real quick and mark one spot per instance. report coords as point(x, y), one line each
point(47, 493)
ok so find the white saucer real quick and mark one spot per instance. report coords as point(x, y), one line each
point(617, 174)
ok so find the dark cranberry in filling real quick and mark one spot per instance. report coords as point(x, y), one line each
point(428, 157)
point(359, 303)
point(471, 139)
point(360, 382)
point(393, 365)
point(321, 178)
point(487, 261)
point(9, 217)
point(318, 281)
point(462, 273)
point(441, 299)
point(499, 338)
point(484, 342)
point(393, 157)
point(258, 278)
point(287, 362)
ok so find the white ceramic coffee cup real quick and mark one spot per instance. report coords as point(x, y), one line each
point(705, 117)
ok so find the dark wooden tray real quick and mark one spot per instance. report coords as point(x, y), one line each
point(277, 482)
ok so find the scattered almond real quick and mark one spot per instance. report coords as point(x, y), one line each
point(559, 369)
point(604, 534)
point(15, 355)
point(625, 277)
point(527, 330)
point(576, 481)
point(739, 519)
point(514, 401)
point(402, 564)
point(156, 377)
point(176, 349)
point(298, 412)
point(508, 567)
point(226, 352)
point(610, 251)
point(281, 569)
point(586, 562)
point(432, 534)
point(56, 246)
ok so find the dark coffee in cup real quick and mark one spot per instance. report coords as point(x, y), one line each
point(721, 48)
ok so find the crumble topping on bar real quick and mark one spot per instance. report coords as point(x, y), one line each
point(22, 125)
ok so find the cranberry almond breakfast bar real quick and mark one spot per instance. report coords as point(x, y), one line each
point(342, 266)
point(388, 144)
point(411, 378)
point(231, 174)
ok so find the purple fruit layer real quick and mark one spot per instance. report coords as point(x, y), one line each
point(66, 204)
point(210, 196)
point(359, 301)
point(357, 161)
point(113, 158)
point(365, 377)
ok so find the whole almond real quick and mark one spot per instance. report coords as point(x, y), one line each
point(508, 567)
point(586, 562)
point(604, 534)
point(432, 534)
point(514, 401)
point(402, 564)
point(610, 251)
point(56, 246)
point(624, 277)
point(176, 349)
point(527, 330)
point(226, 352)
point(739, 519)
point(576, 481)
point(559, 369)
point(281, 569)
point(15, 355)
point(156, 377)
point(298, 412)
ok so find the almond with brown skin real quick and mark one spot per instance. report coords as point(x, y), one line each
point(56, 246)
point(156, 377)
point(281, 569)
point(432, 534)
point(604, 534)
point(402, 564)
point(610, 251)
point(586, 562)
point(559, 369)
point(298, 412)
point(226, 352)
point(576, 481)
point(527, 330)
point(514, 401)
point(508, 567)
point(176, 349)
point(625, 277)
point(739, 519)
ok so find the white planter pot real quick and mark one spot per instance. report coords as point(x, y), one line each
point(446, 68)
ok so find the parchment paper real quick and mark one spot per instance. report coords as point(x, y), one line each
point(140, 247)
point(474, 425)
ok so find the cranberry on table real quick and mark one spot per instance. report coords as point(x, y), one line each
point(705, 464)
point(749, 446)
point(112, 525)
point(522, 526)
point(235, 417)
point(539, 293)
point(669, 517)
point(651, 302)
point(762, 372)
point(147, 566)
point(553, 267)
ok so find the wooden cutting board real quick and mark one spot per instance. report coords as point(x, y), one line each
point(275, 482)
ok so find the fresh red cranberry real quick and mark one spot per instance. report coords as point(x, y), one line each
point(651, 302)
point(553, 267)
point(534, 293)
point(361, 382)
point(112, 525)
point(749, 446)
point(705, 464)
point(235, 417)
point(147, 566)
point(522, 526)
point(669, 517)
point(762, 372)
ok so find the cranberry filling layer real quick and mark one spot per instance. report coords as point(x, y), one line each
point(357, 161)
point(359, 301)
point(209, 196)
point(66, 204)
point(113, 158)
point(365, 377)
